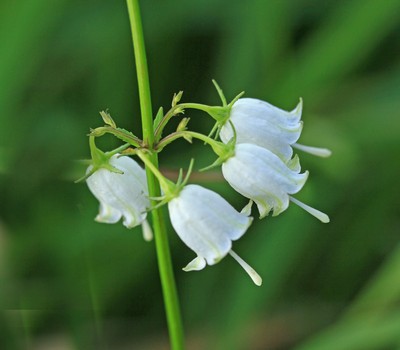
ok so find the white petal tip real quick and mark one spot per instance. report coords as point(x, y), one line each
point(256, 278)
point(196, 264)
point(315, 151)
point(105, 220)
point(299, 106)
point(247, 209)
point(107, 214)
point(314, 212)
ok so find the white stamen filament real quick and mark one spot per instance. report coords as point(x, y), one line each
point(316, 151)
point(147, 231)
point(314, 212)
point(250, 271)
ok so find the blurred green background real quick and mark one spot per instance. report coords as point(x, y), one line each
point(67, 282)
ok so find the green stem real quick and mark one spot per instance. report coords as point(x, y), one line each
point(118, 149)
point(166, 185)
point(118, 133)
point(173, 111)
point(219, 113)
point(163, 122)
point(199, 106)
point(219, 148)
point(162, 246)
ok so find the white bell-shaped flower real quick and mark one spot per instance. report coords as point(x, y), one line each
point(260, 175)
point(265, 125)
point(121, 194)
point(208, 224)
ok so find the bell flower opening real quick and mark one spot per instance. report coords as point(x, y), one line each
point(206, 223)
point(121, 194)
point(265, 125)
point(260, 175)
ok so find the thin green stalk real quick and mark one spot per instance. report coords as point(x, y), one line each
point(182, 106)
point(219, 148)
point(162, 246)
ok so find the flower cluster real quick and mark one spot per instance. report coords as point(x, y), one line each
point(262, 167)
point(256, 156)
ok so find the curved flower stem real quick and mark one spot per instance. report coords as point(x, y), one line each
point(158, 131)
point(218, 113)
point(118, 133)
point(118, 149)
point(162, 246)
point(179, 108)
point(218, 147)
point(166, 185)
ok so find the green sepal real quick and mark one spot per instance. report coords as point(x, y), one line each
point(84, 177)
point(100, 160)
point(215, 131)
point(223, 150)
point(221, 113)
point(222, 96)
point(217, 163)
point(220, 92)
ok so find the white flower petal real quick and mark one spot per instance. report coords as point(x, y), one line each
point(108, 214)
point(247, 208)
point(261, 176)
point(260, 123)
point(196, 264)
point(206, 222)
point(294, 164)
point(121, 195)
